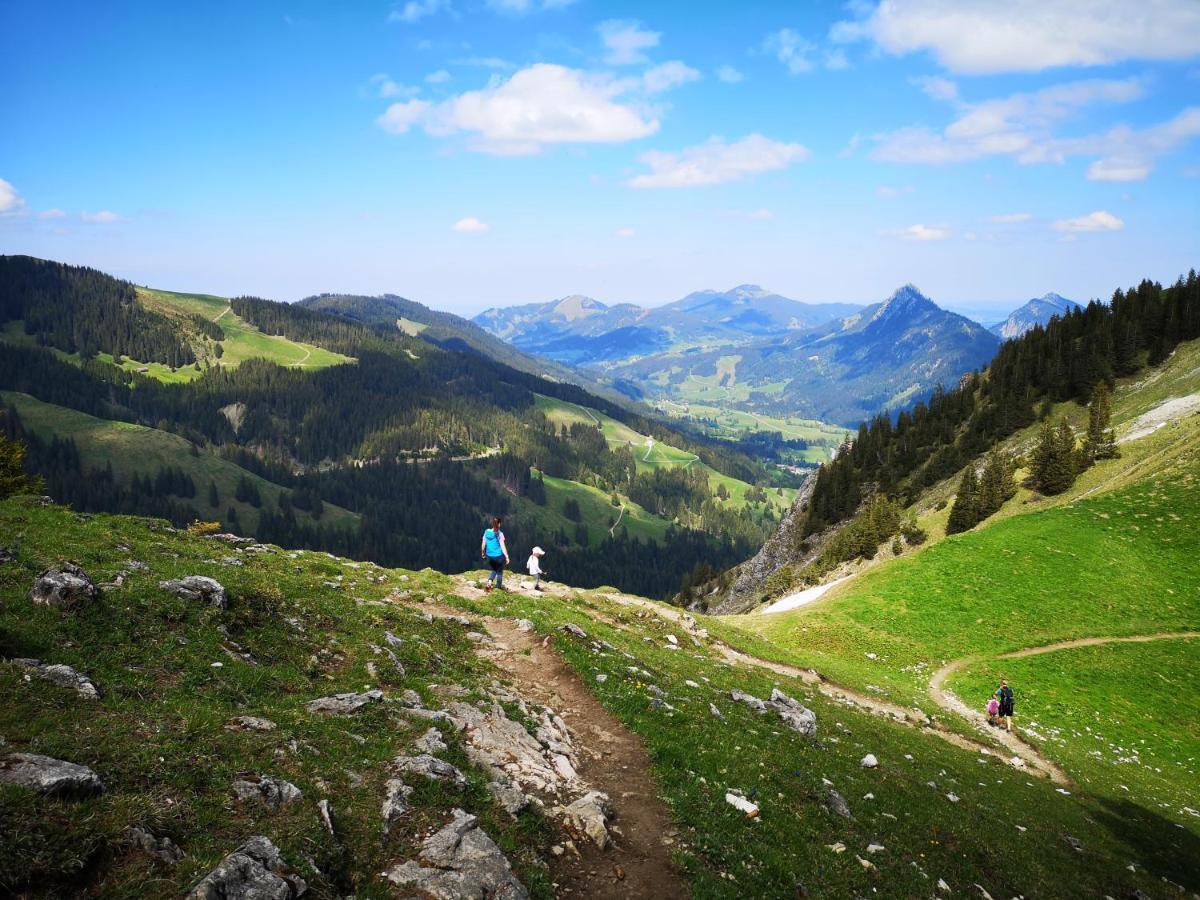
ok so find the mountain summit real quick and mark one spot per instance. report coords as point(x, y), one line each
point(1037, 311)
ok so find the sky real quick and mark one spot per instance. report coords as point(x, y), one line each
point(475, 153)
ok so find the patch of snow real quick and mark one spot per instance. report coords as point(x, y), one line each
point(802, 598)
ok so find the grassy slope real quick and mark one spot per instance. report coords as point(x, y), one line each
point(157, 738)
point(137, 449)
point(731, 423)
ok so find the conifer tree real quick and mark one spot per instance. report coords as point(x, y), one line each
point(214, 496)
point(13, 479)
point(996, 484)
point(1099, 442)
point(965, 512)
point(1055, 464)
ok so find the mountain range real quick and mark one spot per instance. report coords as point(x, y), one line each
point(757, 351)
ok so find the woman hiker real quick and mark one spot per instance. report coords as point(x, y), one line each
point(495, 551)
point(1005, 695)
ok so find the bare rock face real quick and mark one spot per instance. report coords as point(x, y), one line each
point(589, 815)
point(64, 587)
point(509, 796)
point(63, 676)
point(254, 871)
point(430, 742)
point(49, 776)
point(274, 793)
point(543, 763)
point(343, 704)
point(460, 861)
point(199, 588)
point(429, 767)
point(163, 849)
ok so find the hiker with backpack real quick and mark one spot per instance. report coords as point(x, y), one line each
point(493, 549)
point(1005, 695)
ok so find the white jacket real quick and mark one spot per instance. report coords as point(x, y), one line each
point(532, 565)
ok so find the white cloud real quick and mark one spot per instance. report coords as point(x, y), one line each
point(667, 76)
point(889, 191)
point(1011, 218)
point(984, 36)
point(400, 117)
point(52, 214)
point(441, 76)
point(415, 10)
point(470, 225)
point(1100, 220)
point(938, 88)
point(1023, 126)
point(790, 49)
point(388, 89)
point(716, 162)
point(483, 62)
point(522, 7)
point(836, 61)
point(625, 232)
point(101, 217)
point(10, 199)
point(921, 232)
point(542, 104)
point(729, 75)
point(625, 40)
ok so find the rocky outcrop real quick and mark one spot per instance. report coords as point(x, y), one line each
point(791, 712)
point(504, 747)
point(274, 793)
point(785, 547)
point(589, 815)
point(429, 767)
point(62, 675)
point(64, 587)
point(343, 704)
point(49, 776)
point(459, 861)
point(198, 588)
point(395, 802)
point(254, 871)
point(163, 849)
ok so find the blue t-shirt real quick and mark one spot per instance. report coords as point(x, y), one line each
point(491, 541)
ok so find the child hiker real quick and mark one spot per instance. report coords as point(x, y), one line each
point(535, 568)
point(993, 709)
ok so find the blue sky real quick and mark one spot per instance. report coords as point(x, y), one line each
point(470, 153)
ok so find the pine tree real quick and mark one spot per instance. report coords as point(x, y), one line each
point(214, 496)
point(13, 479)
point(1055, 464)
point(996, 484)
point(1099, 442)
point(965, 512)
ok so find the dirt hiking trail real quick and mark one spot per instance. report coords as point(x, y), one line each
point(612, 759)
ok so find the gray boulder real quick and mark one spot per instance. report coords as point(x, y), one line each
point(63, 676)
point(274, 793)
point(460, 861)
point(589, 815)
point(250, 723)
point(343, 704)
point(64, 587)
point(430, 767)
point(161, 848)
point(254, 871)
point(49, 776)
point(836, 804)
point(395, 802)
point(199, 588)
point(794, 715)
point(753, 702)
point(509, 796)
point(574, 629)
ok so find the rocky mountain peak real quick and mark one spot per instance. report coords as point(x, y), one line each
point(905, 303)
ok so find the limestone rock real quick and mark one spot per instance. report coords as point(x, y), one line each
point(503, 746)
point(836, 804)
point(512, 798)
point(430, 742)
point(574, 629)
point(716, 713)
point(64, 587)
point(796, 716)
point(198, 588)
point(274, 793)
point(589, 815)
point(431, 767)
point(161, 848)
point(754, 703)
point(49, 776)
point(250, 723)
point(460, 861)
point(869, 761)
point(254, 871)
point(343, 704)
point(62, 675)
point(395, 802)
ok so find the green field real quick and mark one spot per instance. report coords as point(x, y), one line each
point(595, 507)
point(134, 449)
point(730, 424)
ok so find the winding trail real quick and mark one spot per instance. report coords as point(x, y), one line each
point(612, 530)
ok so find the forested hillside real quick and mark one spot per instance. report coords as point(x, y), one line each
point(421, 443)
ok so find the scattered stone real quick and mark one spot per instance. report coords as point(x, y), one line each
point(655, 691)
point(671, 639)
point(49, 776)
point(952, 797)
point(865, 863)
point(942, 886)
point(253, 870)
point(7, 554)
point(199, 588)
point(395, 802)
point(796, 716)
point(1074, 843)
point(63, 676)
point(753, 702)
point(739, 802)
point(343, 704)
point(392, 641)
point(659, 703)
point(410, 698)
point(431, 767)
point(64, 587)
point(589, 815)
point(161, 848)
point(875, 848)
point(839, 847)
point(716, 713)
point(601, 678)
point(869, 761)
point(478, 637)
point(274, 793)
point(836, 804)
point(524, 625)
point(574, 629)
point(692, 684)
point(984, 895)
point(430, 742)
point(136, 565)
point(512, 798)
point(326, 813)
point(460, 861)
